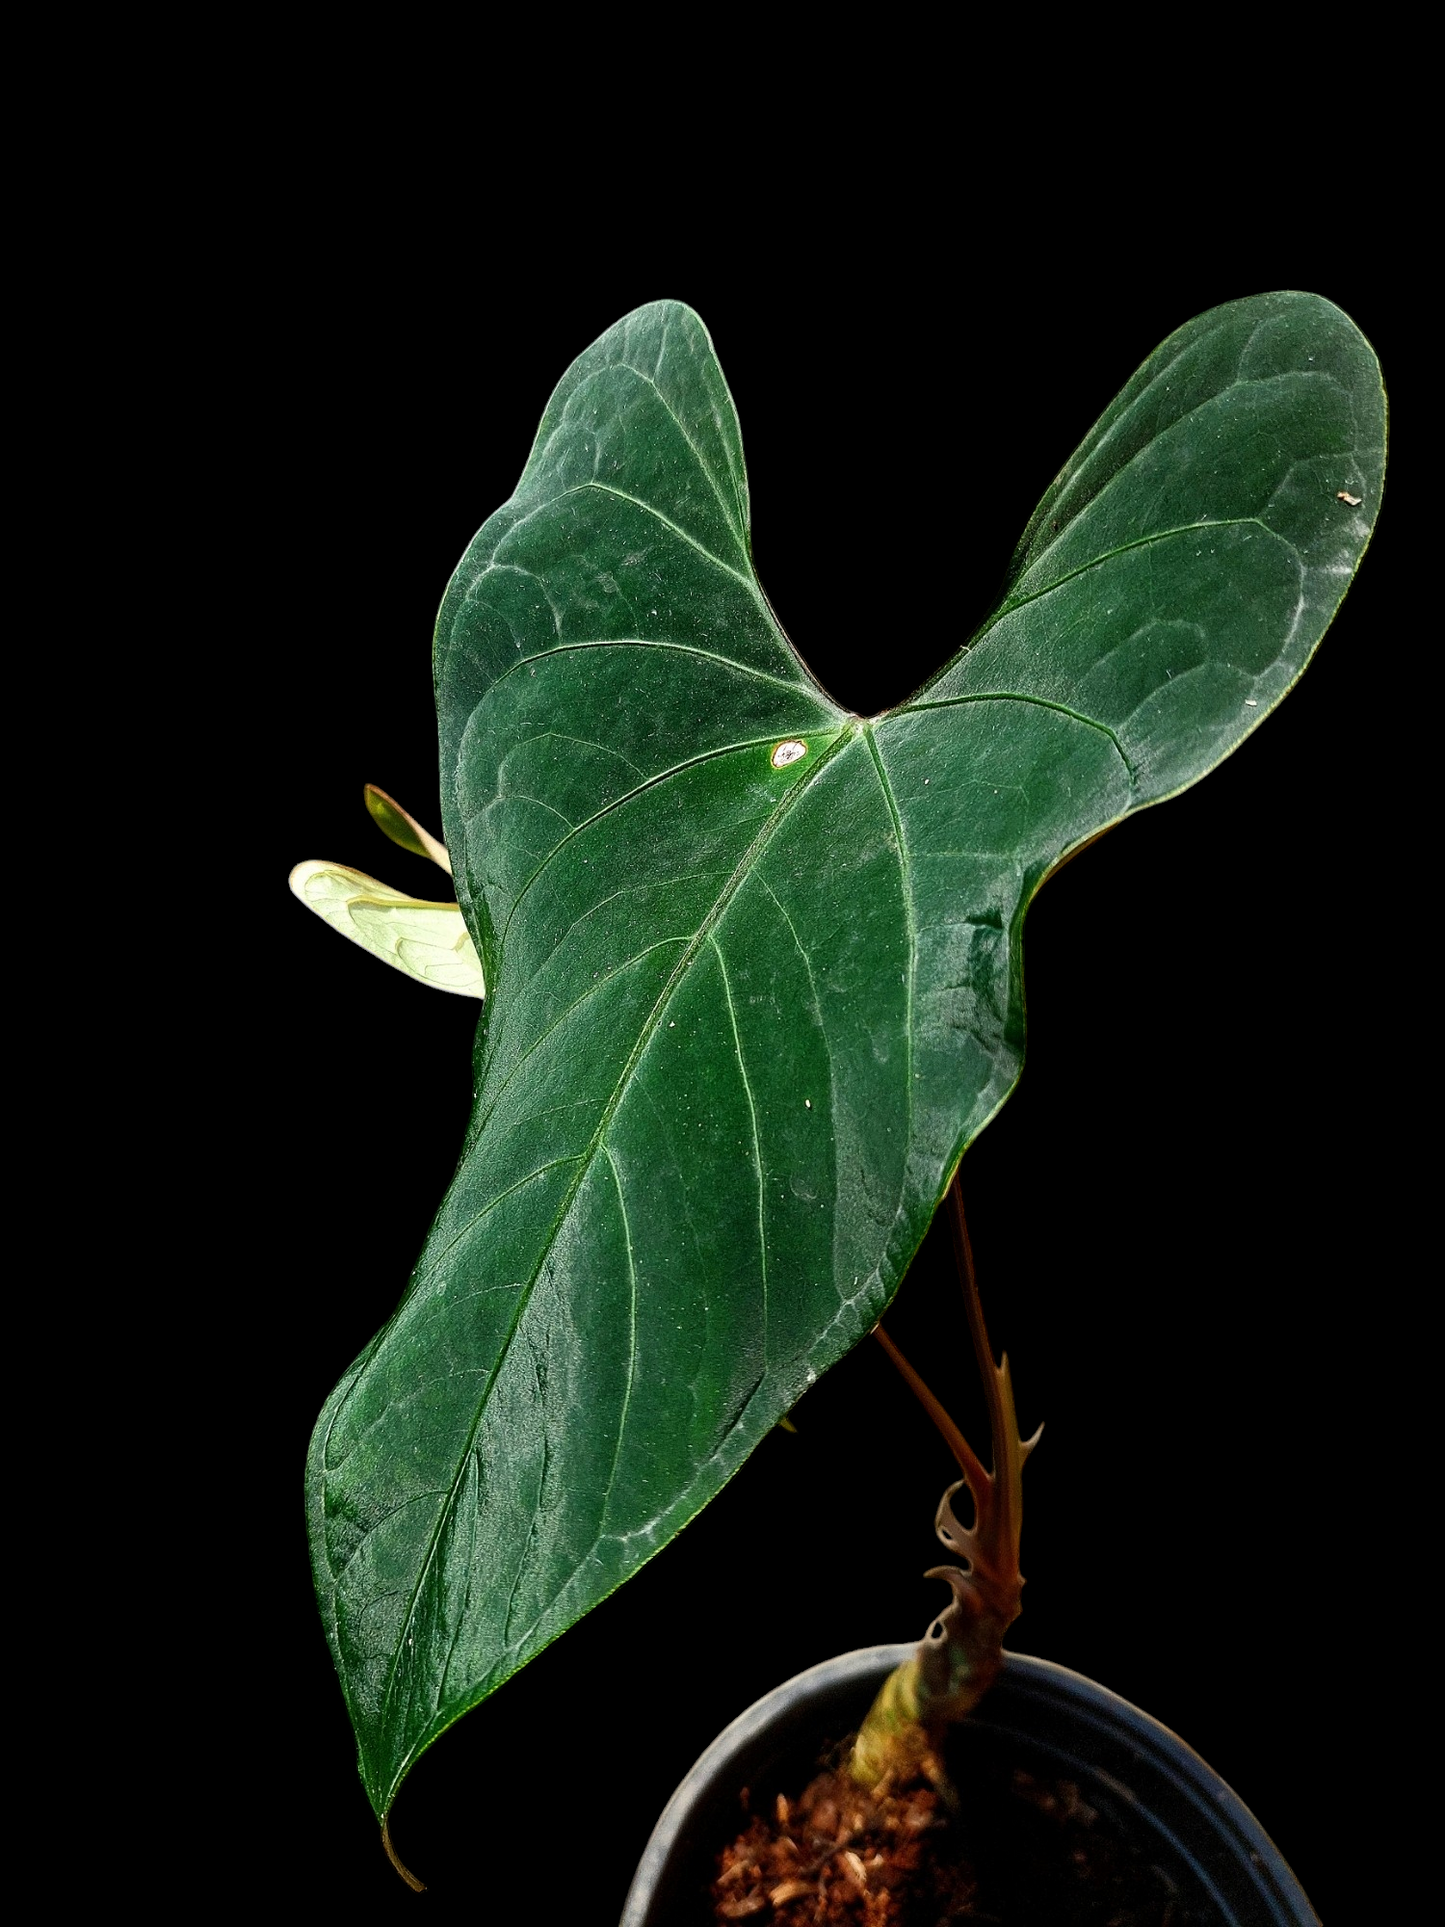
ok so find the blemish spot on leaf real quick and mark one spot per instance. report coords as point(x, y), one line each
point(788, 752)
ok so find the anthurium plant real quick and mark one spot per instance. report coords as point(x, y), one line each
point(749, 964)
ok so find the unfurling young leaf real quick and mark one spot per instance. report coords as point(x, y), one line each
point(403, 829)
point(429, 941)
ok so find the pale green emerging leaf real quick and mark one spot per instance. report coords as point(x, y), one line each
point(429, 941)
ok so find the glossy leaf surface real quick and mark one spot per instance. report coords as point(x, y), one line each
point(753, 962)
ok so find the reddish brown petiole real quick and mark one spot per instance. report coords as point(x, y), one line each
point(961, 1654)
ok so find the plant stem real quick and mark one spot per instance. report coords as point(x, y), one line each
point(960, 1656)
point(1009, 1452)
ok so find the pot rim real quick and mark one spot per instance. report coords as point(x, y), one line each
point(1097, 1705)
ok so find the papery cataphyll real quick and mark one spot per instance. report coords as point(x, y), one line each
point(751, 985)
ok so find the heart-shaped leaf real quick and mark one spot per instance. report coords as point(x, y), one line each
point(753, 962)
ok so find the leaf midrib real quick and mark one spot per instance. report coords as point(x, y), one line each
point(584, 1163)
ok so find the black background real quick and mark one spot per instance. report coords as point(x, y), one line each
point(1171, 1214)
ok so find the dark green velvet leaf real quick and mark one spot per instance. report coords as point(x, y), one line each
point(748, 1004)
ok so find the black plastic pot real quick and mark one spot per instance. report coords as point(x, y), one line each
point(1144, 1782)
